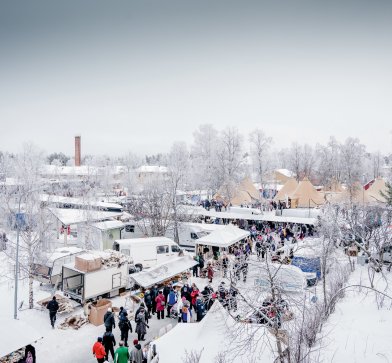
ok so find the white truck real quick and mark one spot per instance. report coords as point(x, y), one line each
point(48, 268)
point(189, 233)
point(147, 252)
point(107, 281)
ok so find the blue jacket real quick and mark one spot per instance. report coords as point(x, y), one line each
point(172, 298)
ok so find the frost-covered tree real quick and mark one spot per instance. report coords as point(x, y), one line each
point(24, 214)
point(178, 168)
point(259, 149)
point(204, 160)
point(58, 159)
point(231, 160)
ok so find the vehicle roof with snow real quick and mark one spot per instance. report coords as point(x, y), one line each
point(139, 241)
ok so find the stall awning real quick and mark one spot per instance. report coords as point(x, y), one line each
point(224, 237)
point(19, 334)
point(163, 271)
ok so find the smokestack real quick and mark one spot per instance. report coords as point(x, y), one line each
point(77, 151)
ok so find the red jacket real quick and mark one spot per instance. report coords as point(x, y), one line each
point(210, 272)
point(194, 295)
point(159, 299)
point(99, 350)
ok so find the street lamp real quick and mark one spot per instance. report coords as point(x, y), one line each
point(18, 217)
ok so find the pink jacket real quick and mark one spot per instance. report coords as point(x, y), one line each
point(159, 299)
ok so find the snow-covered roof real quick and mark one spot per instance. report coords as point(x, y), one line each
point(83, 170)
point(217, 333)
point(224, 237)
point(266, 216)
point(285, 172)
point(19, 334)
point(79, 202)
point(75, 216)
point(163, 271)
point(63, 252)
point(108, 225)
point(152, 169)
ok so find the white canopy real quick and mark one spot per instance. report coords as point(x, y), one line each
point(224, 237)
point(217, 333)
point(74, 216)
point(163, 271)
point(18, 335)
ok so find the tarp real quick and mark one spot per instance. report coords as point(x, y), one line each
point(163, 271)
point(218, 333)
point(287, 190)
point(224, 237)
point(18, 335)
point(306, 195)
point(74, 216)
point(374, 192)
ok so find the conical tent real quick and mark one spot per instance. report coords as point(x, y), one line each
point(374, 192)
point(334, 186)
point(243, 193)
point(357, 195)
point(306, 195)
point(288, 189)
point(247, 186)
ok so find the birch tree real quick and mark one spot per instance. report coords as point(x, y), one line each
point(259, 148)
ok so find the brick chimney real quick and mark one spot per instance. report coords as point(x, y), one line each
point(77, 151)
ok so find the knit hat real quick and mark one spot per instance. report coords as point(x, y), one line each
point(135, 341)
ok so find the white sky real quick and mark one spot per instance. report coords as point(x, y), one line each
point(141, 75)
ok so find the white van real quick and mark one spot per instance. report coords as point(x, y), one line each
point(147, 252)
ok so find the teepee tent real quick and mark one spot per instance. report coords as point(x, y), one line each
point(287, 190)
point(374, 192)
point(242, 194)
point(357, 195)
point(306, 195)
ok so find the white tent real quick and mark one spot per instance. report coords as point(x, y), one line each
point(217, 333)
point(163, 271)
point(18, 335)
point(224, 237)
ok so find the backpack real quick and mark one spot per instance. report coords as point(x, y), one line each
point(121, 324)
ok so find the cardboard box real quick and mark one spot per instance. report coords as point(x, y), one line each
point(98, 310)
point(88, 262)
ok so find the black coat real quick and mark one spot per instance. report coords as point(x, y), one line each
point(53, 306)
point(108, 339)
point(108, 320)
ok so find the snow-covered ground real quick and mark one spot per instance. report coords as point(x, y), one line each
point(360, 329)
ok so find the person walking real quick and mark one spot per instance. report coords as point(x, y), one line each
point(99, 350)
point(121, 355)
point(125, 327)
point(136, 353)
point(210, 272)
point(108, 342)
point(141, 325)
point(53, 307)
point(160, 302)
point(108, 320)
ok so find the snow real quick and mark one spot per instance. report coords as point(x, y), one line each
point(108, 225)
point(358, 331)
point(224, 237)
point(19, 334)
point(152, 169)
point(163, 271)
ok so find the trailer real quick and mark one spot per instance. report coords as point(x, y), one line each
point(49, 268)
point(89, 286)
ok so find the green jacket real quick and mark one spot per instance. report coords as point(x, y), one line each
point(121, 355)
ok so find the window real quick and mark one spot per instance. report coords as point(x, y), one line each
point(130, 228)
point(175, 248)
point(194, 235)
point(162, 249)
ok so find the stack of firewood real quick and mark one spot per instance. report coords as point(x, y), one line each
point(65, 305)
point(13, 357)
point(74, 322)
point(114, 258)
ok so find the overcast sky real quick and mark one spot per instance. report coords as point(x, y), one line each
point(138, 75)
